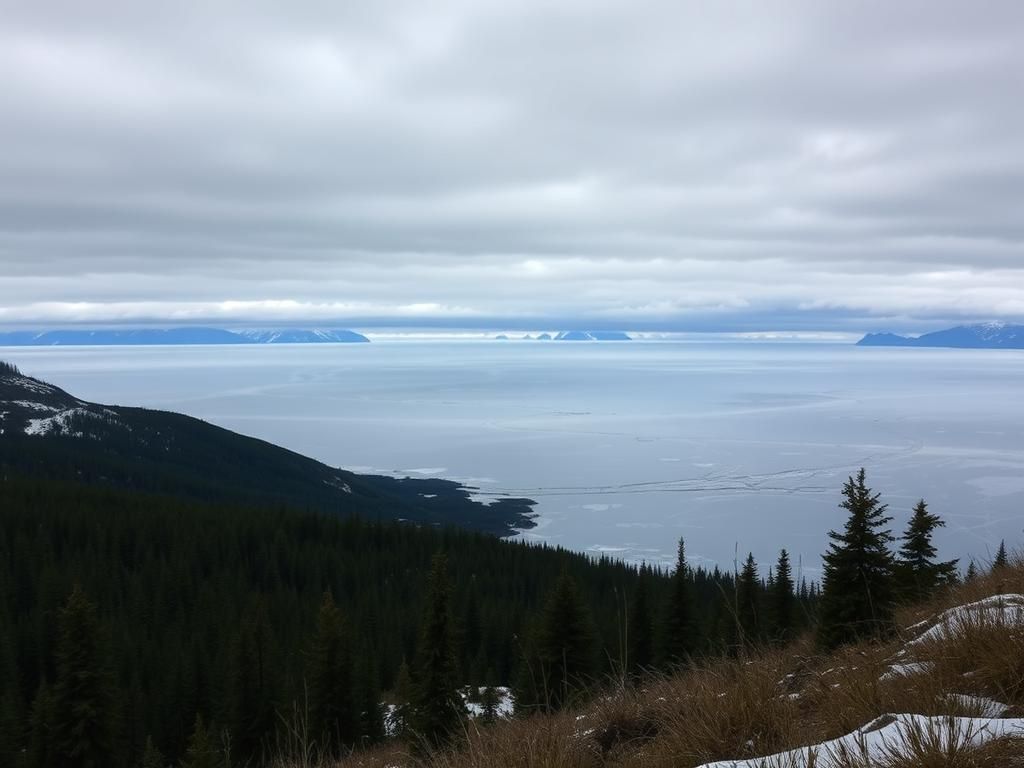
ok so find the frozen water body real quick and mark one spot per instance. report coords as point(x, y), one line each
point(762, 435)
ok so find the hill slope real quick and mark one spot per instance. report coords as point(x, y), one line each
point(47, 431)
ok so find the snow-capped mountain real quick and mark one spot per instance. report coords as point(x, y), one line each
point(592, 336)
point(301, 336)
point(980, 336)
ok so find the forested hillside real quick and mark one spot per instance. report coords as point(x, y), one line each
point(211, 610)
point(51, 433)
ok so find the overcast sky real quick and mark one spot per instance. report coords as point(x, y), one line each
point(704, 165)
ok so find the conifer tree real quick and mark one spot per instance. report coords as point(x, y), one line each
point(331, 709)
point(748, 620)
point(437, 706)
point(783, 599)
point(1001, 559)
point(371, 713)
point(565, 643)
point(41, 719)
point(857, 588)
point(10, 698)
point(251, 708)
point(404, 694)
point(640, 628)
point(472, 627)
point(84, 700)
point(10, 727)
point(489, 701)
point(919, 571)
point(679, 640)
point(201, 751)
point(972, 572)
point(151, 756)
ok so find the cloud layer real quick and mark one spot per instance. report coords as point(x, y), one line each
point(647, 165)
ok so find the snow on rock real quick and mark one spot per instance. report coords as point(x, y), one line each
point(884, 738)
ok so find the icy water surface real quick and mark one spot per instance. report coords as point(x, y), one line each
point(625, 446)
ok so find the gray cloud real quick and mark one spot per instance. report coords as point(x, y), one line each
point(651, 164)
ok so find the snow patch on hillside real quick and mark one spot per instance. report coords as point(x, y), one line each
point(60, 423)
point(31, 385)
point(994, 611)
point(33, 406)
point(885, 737)
point(997, 610)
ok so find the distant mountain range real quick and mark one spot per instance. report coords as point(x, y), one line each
point(47, 432)
point(172, 336)
point(573, 336)
point(980, 336)
point(592, 336)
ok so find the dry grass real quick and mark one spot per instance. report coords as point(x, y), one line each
point(772, 701)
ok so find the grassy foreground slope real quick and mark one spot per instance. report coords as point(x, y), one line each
point(957, 663)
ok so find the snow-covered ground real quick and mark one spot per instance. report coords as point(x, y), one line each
point(902, 735)
point(990, 611)
point(886, 737)
point(60, 423)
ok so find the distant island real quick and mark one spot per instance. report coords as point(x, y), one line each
point(175, 336)
point(572, 336)
point(980, 336)
point(592, 336)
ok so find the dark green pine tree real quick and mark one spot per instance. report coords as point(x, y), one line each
point(251, 709)
point(151, 756)
point(1001, 559)
point(84, 699)
point(401, 716)
point(972, 572)
point(11, 725)
point(202, 750)
point(40, 747)
point(783, 600)
point(489, 701)
point(748, 613)
point(472, 635)
point(370, 721)
point(858, 584)
point(566, 644)
point(437, 708)
point(332, 712)
point(640, 628)
point(679, 641)
point(919, 572)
